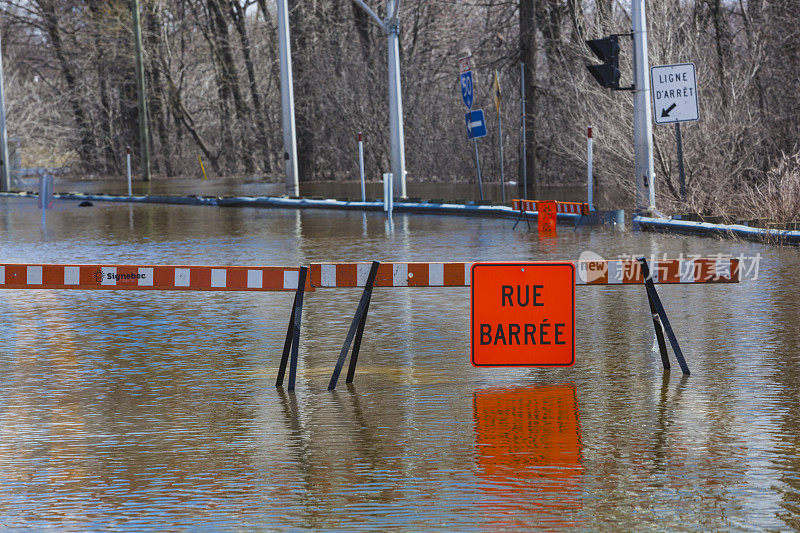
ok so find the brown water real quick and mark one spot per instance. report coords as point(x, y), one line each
point(157, 410)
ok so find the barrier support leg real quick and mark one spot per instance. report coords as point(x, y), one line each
point(527, 220)
point(292, 342)
point(662, 345)
point(356, 331)
point(658, 309)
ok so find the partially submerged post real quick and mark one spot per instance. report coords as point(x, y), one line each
point(361, 167)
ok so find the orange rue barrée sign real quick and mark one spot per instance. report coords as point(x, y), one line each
point(523, 314)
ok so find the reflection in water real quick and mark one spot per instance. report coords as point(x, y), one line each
point(528, 445)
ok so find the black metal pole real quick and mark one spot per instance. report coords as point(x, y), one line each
point(662, 345)
point(287, 345)
point(356, 328)
point(298, 316)
point(659, 308)
point(681, 174)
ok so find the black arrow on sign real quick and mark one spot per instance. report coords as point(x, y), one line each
point(665, 112)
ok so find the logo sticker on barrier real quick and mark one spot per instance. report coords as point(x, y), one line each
point(523, 314)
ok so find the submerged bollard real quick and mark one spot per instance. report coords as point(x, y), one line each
point(356, 330)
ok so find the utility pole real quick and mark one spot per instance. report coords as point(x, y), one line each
point(5, 170)
point(144, 134)
point(642, 110)
point(287, 101)
point(396, 138)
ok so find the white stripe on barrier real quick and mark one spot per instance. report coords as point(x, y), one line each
point(362, 273)
point(291, 279)
point(467, 272)
point(400, 275)
point(436, 274)
point(72, 275)
point(182, 277)
point(106, 279)
point(218, 278)
point(146, 278)
point(328, 275)
point(34, 275)
point(255, 279)
point(2, 275)
point(687, 269)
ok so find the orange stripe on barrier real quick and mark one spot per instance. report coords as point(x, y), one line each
point(150, 277)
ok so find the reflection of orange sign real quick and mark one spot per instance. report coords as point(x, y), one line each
point(547, 217)
point(523, 314)
point(528, 450)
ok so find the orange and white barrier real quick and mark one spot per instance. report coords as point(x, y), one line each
point(575, 208)
point(457, 274)
point(391, 274)
point(149, 277)
point(664, 271)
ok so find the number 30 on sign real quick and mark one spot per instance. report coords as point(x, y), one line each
point(523, 314)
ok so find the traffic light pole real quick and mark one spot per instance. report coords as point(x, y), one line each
point(642, 111)
point(287, 101)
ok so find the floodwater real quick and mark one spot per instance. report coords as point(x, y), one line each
point(157, 410)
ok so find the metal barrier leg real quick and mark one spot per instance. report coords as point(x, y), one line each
point(652, 295)
point(291, 344)
point(356, 330)
point(662, 345)
point(527, 220)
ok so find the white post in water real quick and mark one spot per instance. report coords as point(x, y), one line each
point(128, 158)
point(590, 179)
point(287, 101)
point(642, 110)
point(361, 167)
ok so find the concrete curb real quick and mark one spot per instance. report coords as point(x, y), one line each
point(687, 227)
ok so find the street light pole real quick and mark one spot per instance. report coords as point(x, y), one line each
point(144, 133)
point(642, 111)
point(396, 137)
point(287, 101)
point(5, 170)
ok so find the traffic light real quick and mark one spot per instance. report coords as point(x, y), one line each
point(607, 74)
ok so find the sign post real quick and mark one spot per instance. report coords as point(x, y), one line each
point(674, 89)
point(522, 314)
point(498, 98)
point(46, 196)
point(467, 94)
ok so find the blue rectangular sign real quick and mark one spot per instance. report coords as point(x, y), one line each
point(466, 88)
point(476, 125)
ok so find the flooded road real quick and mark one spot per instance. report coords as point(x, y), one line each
point(154, 410)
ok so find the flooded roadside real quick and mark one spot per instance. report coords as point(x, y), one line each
point(150, 410)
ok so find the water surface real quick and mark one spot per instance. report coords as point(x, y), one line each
point(153, 410)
